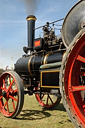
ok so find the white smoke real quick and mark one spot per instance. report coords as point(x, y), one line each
point(31, 6)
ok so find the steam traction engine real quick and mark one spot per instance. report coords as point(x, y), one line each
point(51, 67)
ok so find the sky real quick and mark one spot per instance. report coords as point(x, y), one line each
point(13, 24)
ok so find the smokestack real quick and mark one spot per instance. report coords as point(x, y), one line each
point(31, 32)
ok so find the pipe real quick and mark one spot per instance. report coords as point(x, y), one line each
point(31, 31)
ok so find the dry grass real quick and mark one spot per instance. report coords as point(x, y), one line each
point(34, 116)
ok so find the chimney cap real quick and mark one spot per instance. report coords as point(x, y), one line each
point(31, 17)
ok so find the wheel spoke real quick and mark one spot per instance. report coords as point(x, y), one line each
point(13, 98)
point(15, 91)
point(13, 104)
point(78, 88)
point(42, 96)
point(7, 107)
point(82, 73)
point(4, 84)
point(47, 100)
point(80, 58)
point(84, 107)
point(11, 84)
point(5, 104)
point(50, 98)
point(1, 97)
point(3, 88)
point(10, 79)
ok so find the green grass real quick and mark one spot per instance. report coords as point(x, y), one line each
point(34, 116)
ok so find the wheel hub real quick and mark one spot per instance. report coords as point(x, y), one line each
point(6, 94)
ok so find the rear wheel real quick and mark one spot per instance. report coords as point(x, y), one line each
point(49, 97)
point(11, 94)
point(72, 80)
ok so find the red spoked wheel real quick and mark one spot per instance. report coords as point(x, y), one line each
point(72, 80)
point(49, 97)
point(11, 94)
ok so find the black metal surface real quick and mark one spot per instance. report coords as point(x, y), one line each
point(21, 66)
point(54, 57)
point(50, 79)
point(30, 65)
point(31, 32)
point(73, 22)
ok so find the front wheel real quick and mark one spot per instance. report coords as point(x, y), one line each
point(11, 94)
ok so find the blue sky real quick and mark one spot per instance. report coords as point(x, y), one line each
point(13, 25)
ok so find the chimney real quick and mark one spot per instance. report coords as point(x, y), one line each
point(31, 31)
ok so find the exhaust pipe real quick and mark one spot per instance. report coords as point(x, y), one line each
point(31, 31)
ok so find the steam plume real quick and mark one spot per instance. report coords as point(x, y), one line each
point(31, 6)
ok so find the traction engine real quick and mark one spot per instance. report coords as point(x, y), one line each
point(52, 67)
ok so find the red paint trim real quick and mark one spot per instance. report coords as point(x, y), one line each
point(37, 43)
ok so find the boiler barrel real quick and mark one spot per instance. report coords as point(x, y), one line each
point(30, 65)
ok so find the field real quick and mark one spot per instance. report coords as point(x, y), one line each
point(34, 116)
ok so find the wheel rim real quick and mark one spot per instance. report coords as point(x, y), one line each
point(48, 100)
point(8, 95)
point(74, 80)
